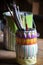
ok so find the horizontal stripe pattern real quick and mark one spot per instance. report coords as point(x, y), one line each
point(23, 41)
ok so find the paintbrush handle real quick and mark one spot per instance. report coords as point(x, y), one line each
point(16, 17)
point(25, 22)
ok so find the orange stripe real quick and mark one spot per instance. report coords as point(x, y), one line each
point(26, 41)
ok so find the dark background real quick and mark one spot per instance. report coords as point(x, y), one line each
point(26, 6)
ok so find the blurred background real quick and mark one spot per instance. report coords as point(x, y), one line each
point(7, 36)
point(34, 6)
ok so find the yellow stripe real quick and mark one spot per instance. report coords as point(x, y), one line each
point(26, 41)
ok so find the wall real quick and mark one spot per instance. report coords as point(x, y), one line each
point(41, 8)
point(35, 8)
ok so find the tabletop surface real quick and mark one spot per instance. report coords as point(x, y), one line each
point(40, 52)
point(12, 55)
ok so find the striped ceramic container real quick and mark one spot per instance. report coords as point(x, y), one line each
point(26, 47)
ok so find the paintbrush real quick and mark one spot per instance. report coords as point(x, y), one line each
point(14, 18)
point(26, 22)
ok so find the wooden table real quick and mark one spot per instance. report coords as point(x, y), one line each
point(9, 55)
point(40, 52)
